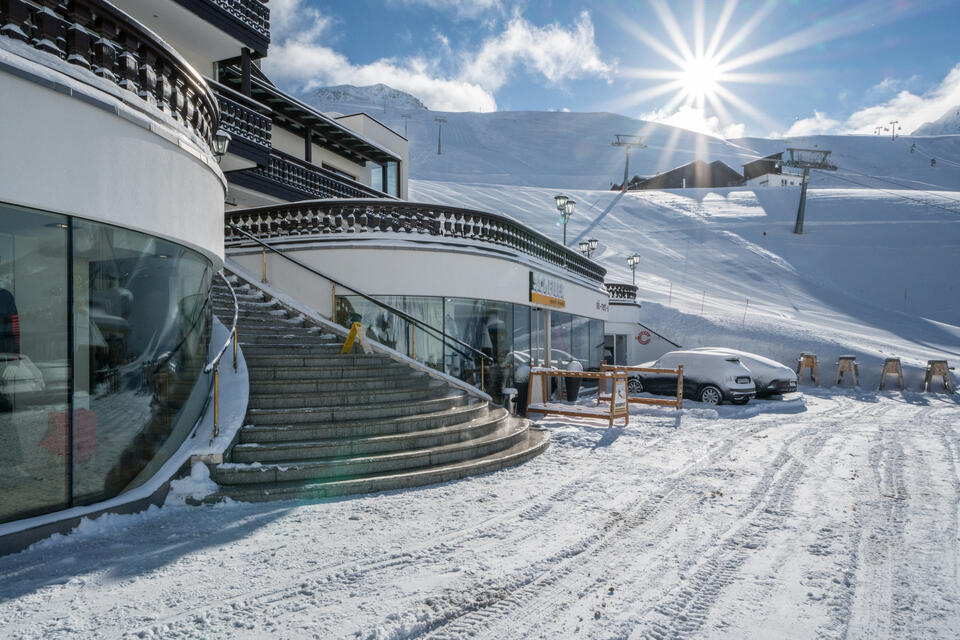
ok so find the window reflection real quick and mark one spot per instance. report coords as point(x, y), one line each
point(33, 362)
point(141, 330)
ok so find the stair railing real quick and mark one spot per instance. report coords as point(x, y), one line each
point(214, 365)
point(470, 353)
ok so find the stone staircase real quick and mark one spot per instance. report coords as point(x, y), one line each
point(322, 424)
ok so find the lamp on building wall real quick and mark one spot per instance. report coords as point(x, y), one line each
point(565, 206)
point(221, 140)
point(632, 261)
point(587, 247)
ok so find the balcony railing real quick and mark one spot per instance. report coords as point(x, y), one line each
point(311, 180)
point(621, 291)
point(301, 220)
point(242, 117)
point(254, 14)
point(95, 35)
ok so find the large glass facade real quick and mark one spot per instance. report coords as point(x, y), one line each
point(511, 334)
point(94, 397)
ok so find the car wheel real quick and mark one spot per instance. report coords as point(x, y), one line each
point(743, 400)
point(710, 395)
point(634, 385)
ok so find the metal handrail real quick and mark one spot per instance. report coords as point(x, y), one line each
point(363, 295)
point(214, 364)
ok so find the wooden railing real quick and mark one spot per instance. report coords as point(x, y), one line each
point(324, 217)
point(312, 180)
point(242, 117)
point(621, 291)
point(253, 14)
point(95, 35)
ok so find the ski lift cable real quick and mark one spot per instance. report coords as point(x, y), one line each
point(905, 186)
point(894, 193)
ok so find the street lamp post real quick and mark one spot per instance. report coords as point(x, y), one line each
point(587, 247)
point(632, 262)
point(565, 206)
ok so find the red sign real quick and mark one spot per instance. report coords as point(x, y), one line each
point(643, 337)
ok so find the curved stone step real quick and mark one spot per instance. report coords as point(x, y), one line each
point(377, 410)
point(393, 369)
point(535, 442)
point(310, 361)
point(502, 438)
point(362, 428)
point(334, 385)
point(342, 447)
point(293, 399)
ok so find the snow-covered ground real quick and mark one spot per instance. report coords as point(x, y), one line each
point(832, 516)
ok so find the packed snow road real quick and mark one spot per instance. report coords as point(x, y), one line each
point(833, 516)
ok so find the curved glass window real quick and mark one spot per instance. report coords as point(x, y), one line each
point(94, 398)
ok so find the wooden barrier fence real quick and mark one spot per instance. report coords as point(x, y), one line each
point(661, 402)
point(539, 388)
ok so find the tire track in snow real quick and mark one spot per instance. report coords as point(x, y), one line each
point(530, 597)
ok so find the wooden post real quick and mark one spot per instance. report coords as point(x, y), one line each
point(938, 368)
point(808, 361)
point(263, 265)
point(891, 366)
point(679, 387)
point(848, 364)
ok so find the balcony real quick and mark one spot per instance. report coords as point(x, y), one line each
point(96, 36)
point(353, 219)
point(246, 20)
point(621, 292)
point(247, 121)
point(290, 178)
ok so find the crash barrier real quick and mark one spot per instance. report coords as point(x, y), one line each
point(603, 393)
point(891, 366)
point(848, 364)
point(938, 368)
point(808, 362)
point(538, 395)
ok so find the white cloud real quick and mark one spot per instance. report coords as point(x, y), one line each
point(695, 119)
point(819, 123)
point(910, 109)
point(552, 51)
point(462, 8)
point(300, 56)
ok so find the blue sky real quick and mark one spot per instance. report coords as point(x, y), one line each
point(779, 66)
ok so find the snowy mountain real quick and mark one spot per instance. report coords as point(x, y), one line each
point(347, 98)
point(947, 124)
point(573, 150)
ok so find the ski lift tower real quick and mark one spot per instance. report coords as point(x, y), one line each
point(806, 159)
point(628, 142)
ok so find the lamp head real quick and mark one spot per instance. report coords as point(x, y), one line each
point(584, 246)
point(561, 201)
point(593, 244)
point(568, 207)
point(221, 140)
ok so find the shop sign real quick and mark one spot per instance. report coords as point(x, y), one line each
point(546, 291)
point(620, 394)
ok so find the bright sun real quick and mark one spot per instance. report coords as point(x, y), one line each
point(700, 78)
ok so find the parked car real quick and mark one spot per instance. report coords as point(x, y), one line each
point(769, 376)
point(710, 377)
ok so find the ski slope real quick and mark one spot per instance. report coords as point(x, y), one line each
point(837, 289)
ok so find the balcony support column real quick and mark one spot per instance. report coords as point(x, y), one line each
point(308, 144)
point(245, 71)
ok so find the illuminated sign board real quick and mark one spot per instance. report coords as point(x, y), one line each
point(546, 291)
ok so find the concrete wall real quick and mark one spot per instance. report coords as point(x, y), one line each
point(403, 268)
point(384, 136)
point(624, 320)
point(66, 155)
